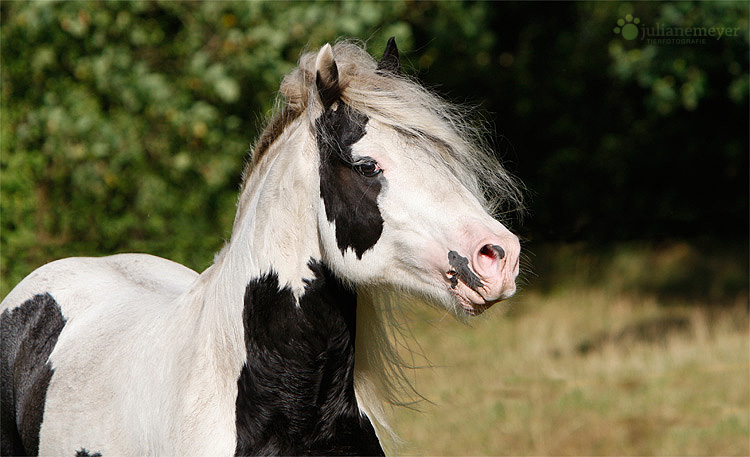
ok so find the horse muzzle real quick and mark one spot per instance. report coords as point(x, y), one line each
point(487, 275)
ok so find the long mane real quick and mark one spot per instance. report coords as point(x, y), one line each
point(454, 134)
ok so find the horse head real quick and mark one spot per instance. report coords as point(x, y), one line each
point(403, 185)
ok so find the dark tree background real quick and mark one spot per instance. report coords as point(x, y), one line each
point(125, 125)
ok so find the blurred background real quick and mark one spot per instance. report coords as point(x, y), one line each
point(125, 127)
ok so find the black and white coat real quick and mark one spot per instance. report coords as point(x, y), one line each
point(278, 347)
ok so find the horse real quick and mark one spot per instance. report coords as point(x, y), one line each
point(365, 192)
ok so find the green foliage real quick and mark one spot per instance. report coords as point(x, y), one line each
point(620, 139)
point(126, 124)
point(678, 77)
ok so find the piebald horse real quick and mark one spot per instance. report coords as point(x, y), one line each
point(364, 191)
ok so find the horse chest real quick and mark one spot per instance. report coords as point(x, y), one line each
point(296, 390)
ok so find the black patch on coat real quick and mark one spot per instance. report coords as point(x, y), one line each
point(460, 265)
point(84, 453)
point(351, 200)
point(28, 334)
point(296, 390)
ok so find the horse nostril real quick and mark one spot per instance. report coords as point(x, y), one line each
point(493, 251)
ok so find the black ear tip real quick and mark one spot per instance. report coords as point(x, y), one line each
point(390, 48)
point(390, 62)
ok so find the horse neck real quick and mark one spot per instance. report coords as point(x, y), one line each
point(275, 228)
point(275, 231)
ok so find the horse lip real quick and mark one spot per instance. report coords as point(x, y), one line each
point(471, 301)
point(478, 309)
point(474, 308)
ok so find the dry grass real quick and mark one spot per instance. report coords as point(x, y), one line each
point(590, 368)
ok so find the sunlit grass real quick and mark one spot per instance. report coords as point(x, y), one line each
point(589, 369)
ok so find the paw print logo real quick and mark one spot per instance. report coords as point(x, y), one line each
point(627, 27)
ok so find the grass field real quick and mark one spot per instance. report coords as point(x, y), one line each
point(632, 349)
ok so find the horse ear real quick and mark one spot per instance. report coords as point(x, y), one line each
point(327, 76)
point(390, 62)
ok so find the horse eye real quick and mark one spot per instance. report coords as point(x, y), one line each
point(368, 168)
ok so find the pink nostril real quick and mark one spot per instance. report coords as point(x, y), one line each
point(488, 260)
point(492, 251)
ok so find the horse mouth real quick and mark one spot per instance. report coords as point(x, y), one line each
point(468, 293)
point(477, 308)
point(471, 301)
